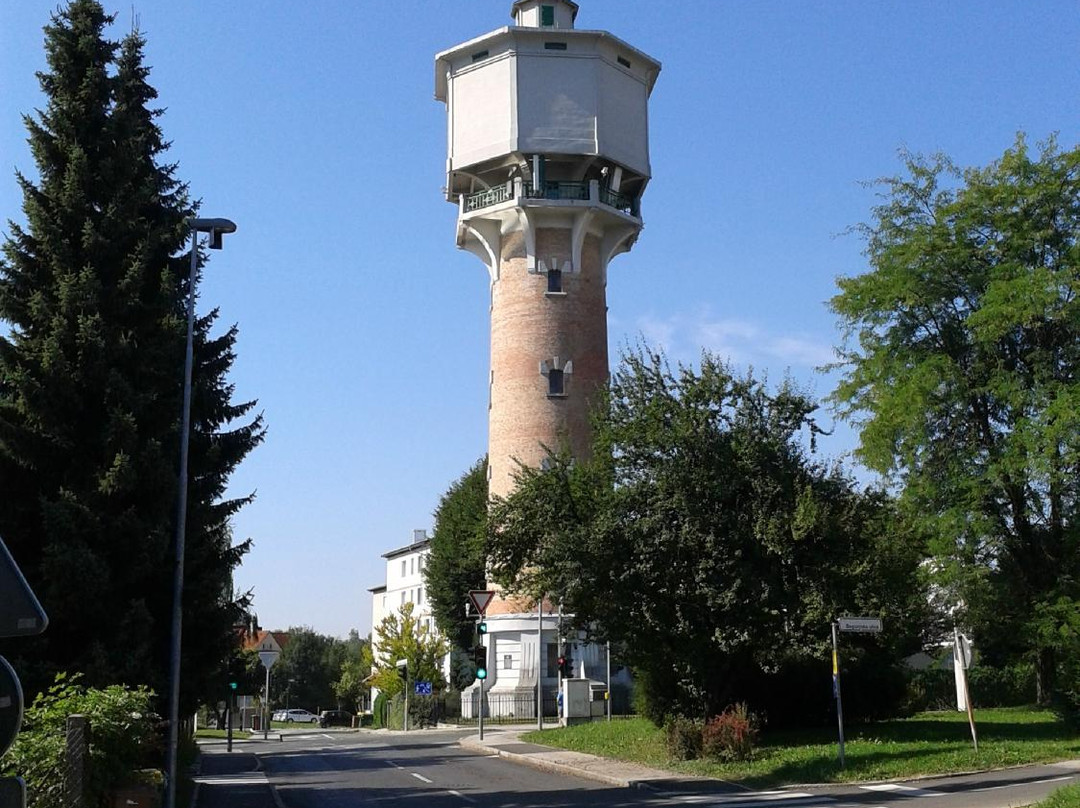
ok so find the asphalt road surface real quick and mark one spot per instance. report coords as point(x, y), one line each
point(428, 770)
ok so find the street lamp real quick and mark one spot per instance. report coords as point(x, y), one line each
point(215, 228)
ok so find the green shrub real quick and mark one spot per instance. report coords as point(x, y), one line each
point(731, 735)
point(379, 712)
point(395, 718)
point(683, 737)
point(123, 740)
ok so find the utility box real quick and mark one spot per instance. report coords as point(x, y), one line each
point(577, 701)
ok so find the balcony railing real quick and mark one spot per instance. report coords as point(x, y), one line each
point(558, 190)
point(623, 202)
point(573, 191)
point(488, 197)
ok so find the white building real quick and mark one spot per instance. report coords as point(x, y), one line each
point(404, 584)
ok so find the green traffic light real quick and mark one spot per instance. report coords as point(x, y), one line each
point(232, 685)
point(481, 673)
point(482, 627)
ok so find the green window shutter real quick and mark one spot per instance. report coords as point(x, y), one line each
point(547, 16)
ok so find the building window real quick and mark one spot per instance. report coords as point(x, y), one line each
point(412, 565)
point(547, 16)
point(402, 597)
point(403, 568)
point(384, 602)
point(554, 278)
point(624, 61)
point(555, 46)
point(422, 563)
point(508, 662)
point(556, 387)
point(481, 55)
point(419, 596)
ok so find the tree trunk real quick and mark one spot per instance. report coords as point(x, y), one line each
point(1044, 676)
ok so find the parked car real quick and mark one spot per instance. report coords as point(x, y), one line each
point(335, 718)
point(301, 717)
point(279, 715)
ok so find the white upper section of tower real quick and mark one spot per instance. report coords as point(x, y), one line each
point(578, 98)
point(541, 14)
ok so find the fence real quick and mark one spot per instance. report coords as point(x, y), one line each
point(506, 708)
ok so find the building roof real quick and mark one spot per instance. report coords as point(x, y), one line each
point(409, 548)
point(377, 589)
point(253, 640)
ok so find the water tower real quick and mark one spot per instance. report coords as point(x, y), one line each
point(547, 162)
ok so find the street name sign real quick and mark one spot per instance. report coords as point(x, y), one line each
point(268, 658)
point(860, 625)
point(20, 613)
point(481, 599)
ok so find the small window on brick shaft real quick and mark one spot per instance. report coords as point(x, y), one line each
point(554, 278)
point(556, 387)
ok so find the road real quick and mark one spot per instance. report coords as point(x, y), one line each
point(429, 770)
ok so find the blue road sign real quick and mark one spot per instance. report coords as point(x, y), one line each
point(423, 688)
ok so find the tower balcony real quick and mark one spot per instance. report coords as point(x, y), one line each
point(521, 193)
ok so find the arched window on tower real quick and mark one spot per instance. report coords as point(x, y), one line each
point(557, 373)
point(554, 280)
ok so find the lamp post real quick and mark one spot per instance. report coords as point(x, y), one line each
point(215, 228)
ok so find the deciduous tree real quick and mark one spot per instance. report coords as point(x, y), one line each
point(961, 366)
point(707, 545)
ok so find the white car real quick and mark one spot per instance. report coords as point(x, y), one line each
point(279, 715)
point(300, 716)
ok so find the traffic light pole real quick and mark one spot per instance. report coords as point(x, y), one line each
point(229, 719)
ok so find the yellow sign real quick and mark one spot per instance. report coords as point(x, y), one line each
point(835, 665)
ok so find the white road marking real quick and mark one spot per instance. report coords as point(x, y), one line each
point(751, 798)
point(907, 791)
point(461, 796)
point(244, 778)
point(420, 777)
point(1028, 783)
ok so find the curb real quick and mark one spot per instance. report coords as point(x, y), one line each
point(552, 766)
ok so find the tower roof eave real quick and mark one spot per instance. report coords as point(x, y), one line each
point(442, 59)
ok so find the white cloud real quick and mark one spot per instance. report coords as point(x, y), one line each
point(743, 342)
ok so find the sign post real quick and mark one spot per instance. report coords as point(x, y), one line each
point(267, 658)
point(858, 625)
point(836, 690)
point(962, 659)
point(481, 598)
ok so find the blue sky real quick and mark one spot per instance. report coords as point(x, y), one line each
point(364, 331)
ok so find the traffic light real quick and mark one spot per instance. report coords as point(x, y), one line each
point(403, 669)
point(480, 660)
point(565, 664)
point(236, 673)
point(481, 627)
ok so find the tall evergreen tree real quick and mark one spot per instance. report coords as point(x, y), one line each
point(94, 287)
point(457, 563)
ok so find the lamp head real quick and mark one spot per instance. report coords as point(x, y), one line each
point(216, 228)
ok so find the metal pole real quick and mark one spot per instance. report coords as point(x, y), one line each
point(266, 707)
point(229, 719)
point(406, 723)
point(482, 709)
point(836, 689)
point(181, 527)
point(607, 694)
point(539, 666)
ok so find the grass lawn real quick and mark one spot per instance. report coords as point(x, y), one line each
point(928, 743)
point(1068, 797)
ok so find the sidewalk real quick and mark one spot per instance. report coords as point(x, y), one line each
point(507, 743)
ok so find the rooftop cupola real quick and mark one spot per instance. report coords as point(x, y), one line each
point(544, 13)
